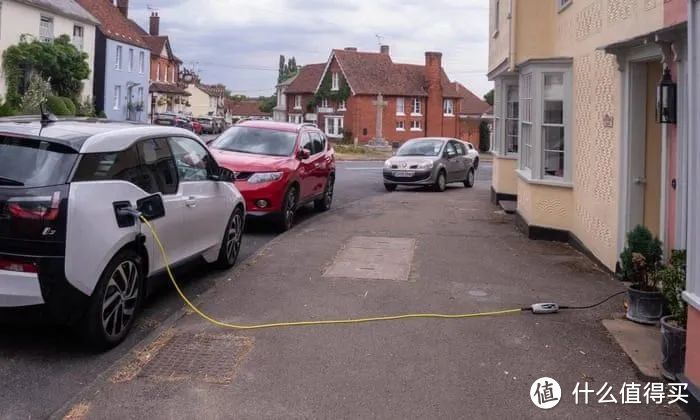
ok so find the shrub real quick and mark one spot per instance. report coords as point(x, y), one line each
point(672, 279)
point(70, 105)
point(641, 259)
point(57, 106)
point(6, 110)
point(484, 137)
point(86, 108)
point(36, 95)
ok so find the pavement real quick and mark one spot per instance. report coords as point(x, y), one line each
point(462, 255)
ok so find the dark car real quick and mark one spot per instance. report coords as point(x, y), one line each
point(173, 120)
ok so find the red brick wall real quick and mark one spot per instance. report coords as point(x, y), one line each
point(166, 67)
point(469, 131)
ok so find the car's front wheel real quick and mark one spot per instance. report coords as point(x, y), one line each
point(289, 210)
point(231, 243)
point(115, 302)
point(441, 182)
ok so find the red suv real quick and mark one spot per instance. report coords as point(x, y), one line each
point(279, 167)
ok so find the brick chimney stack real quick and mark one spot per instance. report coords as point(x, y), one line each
point(154, 28)
point(123, 6)
point(433, 80)
point(384, 49)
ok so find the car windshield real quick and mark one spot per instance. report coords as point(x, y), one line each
point(34, 163)
point(257, 141)
point(421, 148)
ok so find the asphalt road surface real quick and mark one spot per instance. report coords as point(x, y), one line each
point(42, 366)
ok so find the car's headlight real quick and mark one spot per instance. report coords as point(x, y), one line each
point(426, 164)
point(260, 177)
point(387, 164)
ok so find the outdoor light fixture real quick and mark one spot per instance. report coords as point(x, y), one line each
point(666, 99)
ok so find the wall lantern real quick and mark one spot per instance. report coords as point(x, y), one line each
point(666, 99)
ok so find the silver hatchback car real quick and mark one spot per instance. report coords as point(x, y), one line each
point(430, 161)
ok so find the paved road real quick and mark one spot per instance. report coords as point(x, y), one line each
point(42, 367)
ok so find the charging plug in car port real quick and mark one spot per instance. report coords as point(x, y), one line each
point(123, 213)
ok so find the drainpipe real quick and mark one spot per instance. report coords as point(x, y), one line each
point(512, 13)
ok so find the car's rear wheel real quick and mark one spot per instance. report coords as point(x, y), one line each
point(469, 182)
point(441, 182)
point(324, 203)
point(390, 187)
point(115, 302)
point(476, 163)
point(231, 243)
point(289, 209)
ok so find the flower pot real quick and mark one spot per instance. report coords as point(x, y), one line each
point(644, 307)
point(672, 348)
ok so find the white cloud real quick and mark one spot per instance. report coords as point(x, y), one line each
point(222, 35)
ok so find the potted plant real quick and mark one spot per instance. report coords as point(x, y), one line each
point(673, 326)
point(639, 264)
point(139, 106)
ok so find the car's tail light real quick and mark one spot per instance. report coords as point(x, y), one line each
point(35, 208)
point(10, 264)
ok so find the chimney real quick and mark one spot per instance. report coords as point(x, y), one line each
point(433, 81)
point(123, 6)
point(384, 49)
point(354, 49)
point(154, 24)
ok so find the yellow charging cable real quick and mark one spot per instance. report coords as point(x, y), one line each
point(305, 323)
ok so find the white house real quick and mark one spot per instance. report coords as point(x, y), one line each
point(279, 112)
point(205, 99)
point(46, 20)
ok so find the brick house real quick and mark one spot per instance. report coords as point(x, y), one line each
point(341, 97)
point(472, 111)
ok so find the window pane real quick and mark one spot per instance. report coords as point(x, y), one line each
point(553, 112)
point(554, 86)
point(158, 166)
point(554, 163)
point(553, 138)
point(192, 160)
point(122, 166)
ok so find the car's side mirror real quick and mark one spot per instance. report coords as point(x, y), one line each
point(303, 154)
point(450, 154)
point(223, 175)
point(151, 207)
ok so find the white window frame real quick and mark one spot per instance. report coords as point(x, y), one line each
point(172, 74)
point(296, 118)
point(448, 108)
point(416, 125)
point(342, 105)
point(400, 125)
point(142, 62)
point(79, 41)
point(532, 121)
point(131, 60)
point(140, 94)
point(324, 102)
point(401, 106)
point(297, 102)
point(334, 130)
point(118, 58)
point(417, 107)
point(46, 32)
point(335, 81)
point(117, 97)
point(158, 72)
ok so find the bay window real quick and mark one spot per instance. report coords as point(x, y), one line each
point(545, 121)
point(506, 112)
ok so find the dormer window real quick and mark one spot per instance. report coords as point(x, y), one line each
point(324, 103)
point(335, 81)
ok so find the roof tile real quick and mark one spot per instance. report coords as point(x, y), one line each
point(113, 24)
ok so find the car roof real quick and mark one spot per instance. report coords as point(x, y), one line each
point(432, 139)
point(273, 125)
point(87, 135)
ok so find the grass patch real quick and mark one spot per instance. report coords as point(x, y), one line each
point(350, 151)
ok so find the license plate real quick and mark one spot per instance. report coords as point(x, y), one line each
point(403, 174)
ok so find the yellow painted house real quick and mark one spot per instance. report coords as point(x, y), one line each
point(577, 143)
point(205, 99)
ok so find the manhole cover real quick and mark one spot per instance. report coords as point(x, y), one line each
point(203, 357)
point(370, 257)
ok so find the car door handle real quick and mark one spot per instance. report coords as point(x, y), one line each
point(191, 202)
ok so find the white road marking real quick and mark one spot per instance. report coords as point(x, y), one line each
point(363, 169)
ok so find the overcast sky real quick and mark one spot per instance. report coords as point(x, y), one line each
point(238, 43)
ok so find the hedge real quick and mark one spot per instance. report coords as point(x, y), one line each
point(57, 106)
point(70, 105)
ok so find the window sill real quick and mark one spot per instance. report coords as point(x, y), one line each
point(448, 115)
point(692, 299)
point(401, 129)
point(417, 129)
point(334, 136)
point(297, 108)
point(400, 114)
point(525, 176)
point(413, 114)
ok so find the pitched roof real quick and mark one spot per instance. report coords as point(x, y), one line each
point(469, 102)
point(113, 24)
point(212, 90)
point(67, 8)
point(160, 87)
point(246, 108)
point(307, 80)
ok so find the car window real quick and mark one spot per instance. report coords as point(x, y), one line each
point(257, 141)
point(471, 147)
point(450, 148)
point(192, 160)
point(461, 150)
point(34, 163)
point(123, 166)
point(318, 142)
point(306, 142)
point(158, 166)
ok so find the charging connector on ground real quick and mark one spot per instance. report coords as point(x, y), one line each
point(544, 308)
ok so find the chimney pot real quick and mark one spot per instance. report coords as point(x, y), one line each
point(123, 6)
point(154, 28)
point(384, 49)
point(350, 48)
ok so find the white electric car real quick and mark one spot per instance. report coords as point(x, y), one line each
point(70, 242)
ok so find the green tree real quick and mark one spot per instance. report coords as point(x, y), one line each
point(267, 103)
point(58, 61)
point(484, 137)
point(489, 97)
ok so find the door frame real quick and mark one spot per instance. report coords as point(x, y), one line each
point(633, 125)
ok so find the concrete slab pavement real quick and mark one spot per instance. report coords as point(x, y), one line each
point(468, 257)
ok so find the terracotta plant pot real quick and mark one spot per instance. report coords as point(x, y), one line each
point(644, 307)
point(672, 348)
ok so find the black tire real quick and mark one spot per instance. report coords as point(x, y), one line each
point(324, 203)
point(441, 181)
point(289, 209)
point(390, 187)
point(231, 242)
point(116, 301)
point(476, 163)
point(469, 181)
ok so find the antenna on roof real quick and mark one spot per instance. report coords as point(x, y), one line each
point(380, 39)
point(46, 117)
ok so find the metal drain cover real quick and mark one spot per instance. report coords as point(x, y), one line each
point(370, 257)
point(203, 357)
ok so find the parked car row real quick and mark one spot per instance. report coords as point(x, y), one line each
point(198, 125)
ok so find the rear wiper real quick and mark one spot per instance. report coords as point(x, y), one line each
point(9, 181)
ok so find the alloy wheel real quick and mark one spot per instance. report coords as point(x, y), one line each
point(329, 193)
point(120, 299)
point(442, 182)
point(233, 237)
point(290, 208)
